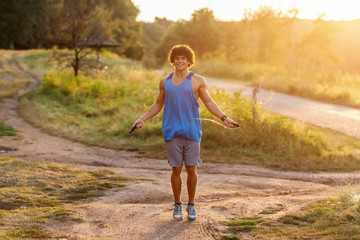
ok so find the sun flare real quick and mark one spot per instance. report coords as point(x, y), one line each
point(234, 9)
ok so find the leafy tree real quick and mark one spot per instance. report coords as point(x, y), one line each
point(17, 18)
point(152, 34)
point(74, 24)
point(200, 33)
point(153, 31)
point(44, 23)
point(172, 37)
point(273, 29)
point(127, 31)
point(314, 48)
point(236, 43)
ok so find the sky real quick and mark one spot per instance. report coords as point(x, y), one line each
point(228, 10)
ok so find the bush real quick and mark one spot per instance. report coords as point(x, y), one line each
point(77, 88)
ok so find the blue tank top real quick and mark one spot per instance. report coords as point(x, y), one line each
point(181, 111)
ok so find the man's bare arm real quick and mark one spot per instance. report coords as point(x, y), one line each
point(211, 105)
point(155, 108)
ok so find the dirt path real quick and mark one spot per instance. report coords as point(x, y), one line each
point(7, 78)
point(143, 210)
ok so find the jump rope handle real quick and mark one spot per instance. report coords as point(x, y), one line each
point(133, 128)
point(236, 125)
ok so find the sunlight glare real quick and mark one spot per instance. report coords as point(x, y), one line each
point(234, 9)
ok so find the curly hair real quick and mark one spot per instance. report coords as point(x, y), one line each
point(182, 50)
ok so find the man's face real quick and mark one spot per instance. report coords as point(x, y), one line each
point(181, 62)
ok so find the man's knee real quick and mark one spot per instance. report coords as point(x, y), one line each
point(191, 170)
point(177, 171)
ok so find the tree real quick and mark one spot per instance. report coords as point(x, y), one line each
point(45, 23)
point(171, 37)
point(73, 24)
point(17, 18)
point(314, 48)
point(273, 29)
point(153, 31)
point(200, 33)
point(235, 43)
point(152, 34)
point(127, 31)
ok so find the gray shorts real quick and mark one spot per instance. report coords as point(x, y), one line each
point(181, 150)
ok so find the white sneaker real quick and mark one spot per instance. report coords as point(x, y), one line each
point(178, 212)
point(191, 212)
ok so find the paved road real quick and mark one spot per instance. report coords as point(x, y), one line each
point(343, 119)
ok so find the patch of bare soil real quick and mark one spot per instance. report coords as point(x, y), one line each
point(143, 209)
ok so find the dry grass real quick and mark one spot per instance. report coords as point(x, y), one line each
point(17, 80)
point(34, 193)
point(336, 218)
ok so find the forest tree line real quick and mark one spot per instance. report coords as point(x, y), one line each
point(265, 35)
point(28, 24)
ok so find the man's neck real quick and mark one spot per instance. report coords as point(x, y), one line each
point(182, 74)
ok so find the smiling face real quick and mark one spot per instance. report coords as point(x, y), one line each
point(181, 63)
point(181, 55)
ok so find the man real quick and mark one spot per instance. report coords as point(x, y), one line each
point(179, 93)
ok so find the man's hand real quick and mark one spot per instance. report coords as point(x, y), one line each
point(137, 124)
point(231, 123)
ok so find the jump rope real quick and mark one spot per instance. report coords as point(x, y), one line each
point(237, 126)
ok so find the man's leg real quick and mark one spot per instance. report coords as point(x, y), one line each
point(176, 183)
point(192, 180)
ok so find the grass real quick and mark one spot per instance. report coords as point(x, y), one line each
point(98, 108)
point(335, 218)
point(38, 62)
point(327, 85)
point(6, 130)
point(35, 193)
point(2, 76)
point(18, 80)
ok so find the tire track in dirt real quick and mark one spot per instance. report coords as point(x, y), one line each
point(35, 83)
point(206, 228)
